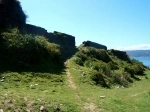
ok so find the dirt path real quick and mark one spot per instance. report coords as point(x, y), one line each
point(70, 81)
point(89, 107)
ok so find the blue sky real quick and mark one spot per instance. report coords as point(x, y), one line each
point(118, 24)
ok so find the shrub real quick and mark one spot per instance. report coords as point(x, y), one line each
point(90, 53)
point(99, 54)
point(24, 51)
point(122, 78)
point(99, 79)
point(81, 55)
point(98, 66)
point(136, 69)
point(77, 60)
point(113, 66)
point(134, 61)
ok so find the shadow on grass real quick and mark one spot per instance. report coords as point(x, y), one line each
point(53, 68)
point(56, 67)
point(137, 78)
point(47, 67)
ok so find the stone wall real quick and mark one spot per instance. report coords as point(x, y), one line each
point(93, 44)
point(62, 39)
point(32, 29)
point(55, 37)
point(120, 54)
point(67, 42)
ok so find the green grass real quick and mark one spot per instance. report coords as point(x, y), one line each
point(28, 91)
point(23, 91)
point(134, 99)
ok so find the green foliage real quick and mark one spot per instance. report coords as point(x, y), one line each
point(25, 51)
point(135, 69)
point(98, 66)
point(99, 54)
point(98, 77)
point(134, 61)
point(120, 54)
point(113, 66)
point(77, 60)
point(108, 67)
point(122, 78)
point(81, 55)
point(86, 53)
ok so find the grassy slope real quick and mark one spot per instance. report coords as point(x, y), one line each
point(53, 92)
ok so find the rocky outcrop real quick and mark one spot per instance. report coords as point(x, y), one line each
point(11, 14)
point(67, 43)
point(32, 29)
point(93, 44)
point(56, 37)
point(62, 39)
point(120, 54)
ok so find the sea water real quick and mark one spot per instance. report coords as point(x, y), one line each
point(144, 60)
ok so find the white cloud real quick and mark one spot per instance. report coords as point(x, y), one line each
point(135, 47)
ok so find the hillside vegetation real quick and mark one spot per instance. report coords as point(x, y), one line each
point(107, 67)
point(36, 71)
point(21, 52)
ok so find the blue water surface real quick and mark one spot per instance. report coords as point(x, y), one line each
point(145, 60)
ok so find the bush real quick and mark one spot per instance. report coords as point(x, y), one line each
point(81, 55)
point(98, 66)
point(122, 78)
point(99, 79)
point(113, 66)
point(136, 69)
point(77, 60)
point(24, 51)
point(99, 54)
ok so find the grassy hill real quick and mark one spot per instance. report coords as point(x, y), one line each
point(34, 72)
point(92, 80)
point(70, 91)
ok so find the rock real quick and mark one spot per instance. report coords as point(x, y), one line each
point(36, 30)
point(28, 110)
point(102, 97)
point(36, 84)
point(117, 87)
point(58, 108)
point(2, 80)
point(25, 99)
point(39, 99)
point(62, 39)
point(1, 110)
point(93, 44)
point(43, 109)
point(66, 41)
point(32, 86)
point(120, 54)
